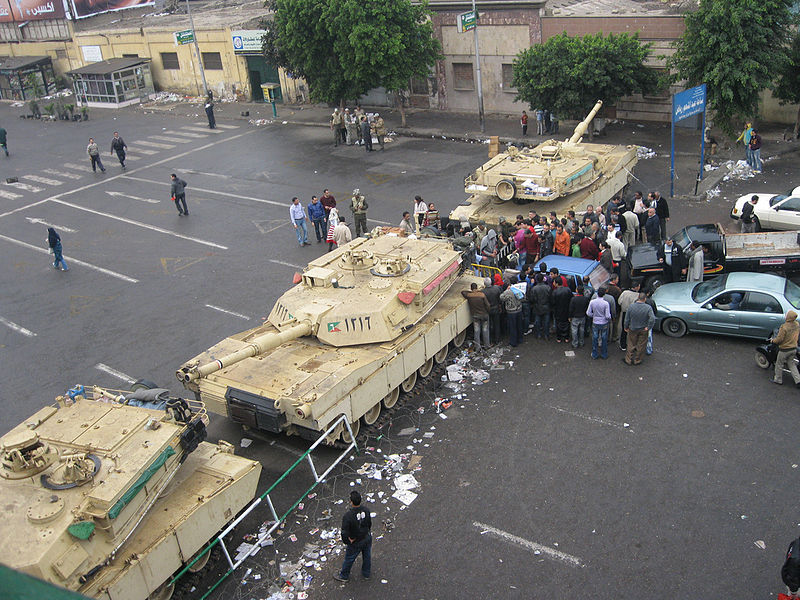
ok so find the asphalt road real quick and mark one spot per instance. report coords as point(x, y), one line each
point(535, 489)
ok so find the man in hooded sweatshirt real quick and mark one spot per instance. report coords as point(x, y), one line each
point(786, 340)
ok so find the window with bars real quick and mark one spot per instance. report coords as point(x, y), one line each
point(61, 53)
point(508, 78)
point(419, 86)
point(169, 61)
point(212, 61)
point(51, 29)
point(463, 78)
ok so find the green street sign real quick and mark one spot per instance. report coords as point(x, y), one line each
point(183, 37)
point(466, 21)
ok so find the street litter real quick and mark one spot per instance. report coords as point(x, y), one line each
point(405, 496)
point(405, 482)
point(245, 443)
point(643, 153)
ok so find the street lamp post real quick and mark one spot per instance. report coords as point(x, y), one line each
point(478, 68)
point(197, 48)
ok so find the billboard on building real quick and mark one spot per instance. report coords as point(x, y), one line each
point(87, 8)
point(30, 10)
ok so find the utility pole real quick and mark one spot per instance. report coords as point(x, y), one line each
point(478, 67)
point(200, 58)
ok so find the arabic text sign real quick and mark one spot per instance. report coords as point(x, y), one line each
point(466, 21)
point(248, 41)
point(31, 10)
point(689, 103)
point(183, 37)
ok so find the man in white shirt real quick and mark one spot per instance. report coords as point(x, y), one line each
point(341, 233)
point(617, 247)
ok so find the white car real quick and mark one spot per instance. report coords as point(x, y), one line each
point(772, 211)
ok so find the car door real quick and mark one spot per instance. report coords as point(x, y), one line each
point(786, 214)
point(711, 319)
point(760, 314)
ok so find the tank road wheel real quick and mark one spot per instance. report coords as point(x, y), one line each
point(355, 426)
point(505, 189)
point(426, 368)
point(372, 414)
point(163, 593)
point(409, 383)
point(391, 398)
point(458, 341)
point(441, 355)
point(201, 562)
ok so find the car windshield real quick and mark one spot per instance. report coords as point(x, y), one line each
point(704, 291)
point(792, 293)
point(598, 276)
point(682, 239)
point(776, 199)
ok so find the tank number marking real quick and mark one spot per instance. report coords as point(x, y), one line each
point(350, 325)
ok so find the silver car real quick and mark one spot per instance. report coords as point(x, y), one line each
point(742, 304)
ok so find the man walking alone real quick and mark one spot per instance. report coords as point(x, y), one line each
point(178, 191)
point(356, 535)
point(786, 340)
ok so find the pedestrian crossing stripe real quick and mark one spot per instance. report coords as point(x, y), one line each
point(154, 144)
point(144, 151)
point(170, 138)
point(44, 180)
point(129, 156)
point(61, 174)
point(189, 135)
point(221, 126)
point(24, 186)
point(9, 195)
point(201, 129)
point(78, 167)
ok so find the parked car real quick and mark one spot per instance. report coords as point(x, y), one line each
point(772, 211)
point(575, 269)
point(739, 304)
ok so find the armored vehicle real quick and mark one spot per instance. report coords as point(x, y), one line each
point(361, 325)
point(554, 175)
point(109, 493)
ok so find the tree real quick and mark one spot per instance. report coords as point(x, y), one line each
point(735, 47)
point(787, 89)
point(567, 75)
point(344, 48)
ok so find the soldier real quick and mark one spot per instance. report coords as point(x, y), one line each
point(336, 125)
point(358, 112)
point(380, 129)
point(359, 206)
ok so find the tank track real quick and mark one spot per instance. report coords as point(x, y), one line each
point(184, 586)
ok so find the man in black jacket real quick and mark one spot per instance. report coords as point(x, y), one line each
point(790, 572)
point(178, 191)
point(118, 145)
point(577, 316)
point(662, 212)
point(561, 298)
point(356, 525)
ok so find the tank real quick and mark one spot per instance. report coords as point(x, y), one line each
point(108, 493)
point(554, 175)
point(359, 327)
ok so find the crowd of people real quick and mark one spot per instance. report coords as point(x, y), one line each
point(546, 122)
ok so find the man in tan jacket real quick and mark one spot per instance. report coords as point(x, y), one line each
point(786, 340)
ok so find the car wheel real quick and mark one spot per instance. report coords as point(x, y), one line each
point(653, 283)
point(674, 327)
point(761, 360)
point(757, 223)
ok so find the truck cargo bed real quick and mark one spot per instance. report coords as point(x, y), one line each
point(777, 243)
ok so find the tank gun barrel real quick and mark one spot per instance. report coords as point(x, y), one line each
point(583, 126)
point(257, 345)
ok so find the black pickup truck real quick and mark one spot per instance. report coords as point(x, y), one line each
point(765, 252)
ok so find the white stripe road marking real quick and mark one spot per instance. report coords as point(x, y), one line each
point(9, 195)
point(188, 134)
point(124, 195)
point(208, 174)
point(149, 143)
point(139, 224)
point(114, 372)
point(286, 264)
point(46, 224)
point(593, 419)
point(533, 546)
point(145, 151)
point(17, 328)
point(220, 126)
point(24, 186)
point(228, 312)
point(78, 167)
point(205, 130)
point(61, 173)
point(72, 260)
point(168, 138)
point(21, 208)
point(44, 180)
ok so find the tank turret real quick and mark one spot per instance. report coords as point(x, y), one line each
point(552, 170)
point(358, 327)
point(82, 482)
